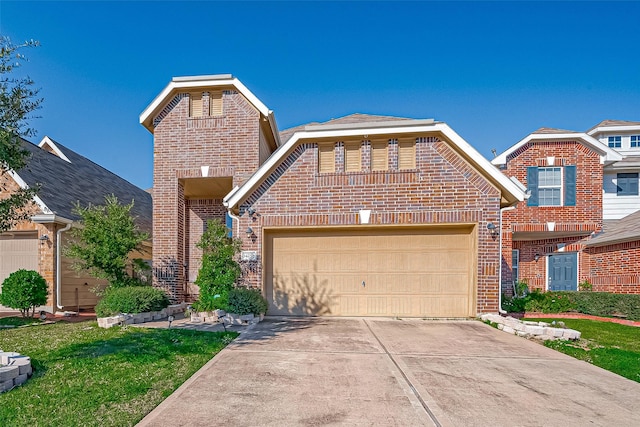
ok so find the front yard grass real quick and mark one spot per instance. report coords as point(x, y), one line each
point(18, 321)
point(610, 346)
point(89, 376)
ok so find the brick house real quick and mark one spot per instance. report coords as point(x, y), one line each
point(65, 178)
point(576, 223)
point(361, 215)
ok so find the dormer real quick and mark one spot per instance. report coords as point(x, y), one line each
point(48, 145)
point(620, 135)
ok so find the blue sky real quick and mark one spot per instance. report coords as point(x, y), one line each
point(494, 71)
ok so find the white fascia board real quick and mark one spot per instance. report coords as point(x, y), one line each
point(47, 141)
point(274, 128)
point(37, 200)
point(607, 153)
point(234, 197)
point(189, 83)
point(613, 129)
point(50, 219)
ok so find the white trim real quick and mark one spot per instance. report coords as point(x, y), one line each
point(50, 219)
point(38, 201)
point(186, 83)
point(48, 141)
point(398, 128)
point(607, 154)
point(606, 129)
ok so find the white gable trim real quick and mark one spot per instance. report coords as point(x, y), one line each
point(613, 129)
point(398, 128)
point(606, 153)
point(47, 141)
point(37, 200)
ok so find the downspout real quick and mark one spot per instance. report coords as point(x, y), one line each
point(59, 263)
point(500, 310)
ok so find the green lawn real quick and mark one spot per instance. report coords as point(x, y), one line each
point(611, 346)
point(18, 321)
point(89, 376)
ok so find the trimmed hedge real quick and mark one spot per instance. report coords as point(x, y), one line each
point(247, 301)
point(132, 300)
point(595, 303)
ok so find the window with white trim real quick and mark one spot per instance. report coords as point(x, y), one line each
point(550, 186)
point(515, 258)
point(635, 141)
point(615, 141)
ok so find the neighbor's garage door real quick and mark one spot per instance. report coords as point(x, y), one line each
point(417, 272)
point(17, 250)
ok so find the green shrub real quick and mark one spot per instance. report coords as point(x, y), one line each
point(585, 286)
point(24, 290)
point(514, 304)
point(214, 298)
point(521, 288)
point(551, 302)
point(247, 301)
point(606, 304)
point(131, 299)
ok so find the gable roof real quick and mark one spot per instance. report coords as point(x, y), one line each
point(608, 124)
point(549, 134)
point(66, 178)
point(624, 230)
point(359, 125)
point(189, 83)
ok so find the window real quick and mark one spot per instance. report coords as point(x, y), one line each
point(215, 103)
point(551, 186)
point(615, 141)
point(635, 141)
point(326, 158)
point(627, 184)
point(229, 224)
point(379, 156)
point(515, 258)
point(406, 154)
point(195, 105)
point(352, 157)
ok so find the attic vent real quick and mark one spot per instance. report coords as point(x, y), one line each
point(215, 103)
point(195, 104)
point(406, 154)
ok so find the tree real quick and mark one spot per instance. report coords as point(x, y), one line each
point(18, 100)
point(103, 241)
point(24, 290)
point(220, 270)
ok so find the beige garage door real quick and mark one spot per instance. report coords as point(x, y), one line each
point(411, 272)
point(17, 250)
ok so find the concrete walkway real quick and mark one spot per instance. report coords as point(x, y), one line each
point(313, 372)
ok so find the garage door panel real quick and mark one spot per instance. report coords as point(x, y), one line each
point(423, 272)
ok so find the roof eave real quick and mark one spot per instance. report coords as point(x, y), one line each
point(513, 193)
point(50, 219)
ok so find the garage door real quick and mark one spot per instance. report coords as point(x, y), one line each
point(411, 272)
point(17, 250)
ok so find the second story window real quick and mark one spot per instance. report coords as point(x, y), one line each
point(195, 104)
point(635, 141)
point(551, 186)
point(406, 154)
point(615, 141)
point(627, 184)
point(326, 158)
point(352, 157)
point(379, 156)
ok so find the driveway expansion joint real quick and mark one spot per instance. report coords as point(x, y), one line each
point(406, 379)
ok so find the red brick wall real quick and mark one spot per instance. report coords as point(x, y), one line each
point(614, 268)
point(228, 144)
point(582, 219)
point(443, 189)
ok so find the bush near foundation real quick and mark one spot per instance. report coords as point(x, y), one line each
point(24, 290)
point(594, 303)
point(132, 300)
point(247, 301)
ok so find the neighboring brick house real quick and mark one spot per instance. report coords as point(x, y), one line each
point(65, 178)
point(362, 215)
point(576, 185)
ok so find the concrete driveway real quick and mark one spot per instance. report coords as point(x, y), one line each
point(383, 372)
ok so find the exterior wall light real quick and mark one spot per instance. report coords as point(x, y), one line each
point(43, 238)
point(492, 229)
point(251, 211)
point(249, 231)
point(536, 257)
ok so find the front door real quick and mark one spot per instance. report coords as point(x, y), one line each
point(563, 272)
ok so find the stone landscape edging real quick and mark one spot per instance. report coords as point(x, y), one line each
point(149, 316)
point(528, 329)
point(15, 370)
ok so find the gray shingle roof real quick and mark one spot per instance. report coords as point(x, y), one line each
point(610, 123)
point(351, 118)
point(623, 230)
point(63, 184)
point(553, 130)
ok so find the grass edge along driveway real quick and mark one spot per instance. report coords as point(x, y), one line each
point(610, 346)
point(85, 375)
